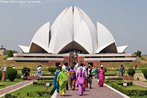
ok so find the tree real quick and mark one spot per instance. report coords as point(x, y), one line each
point(131, 72)
point(10, 53)
point(138, 53)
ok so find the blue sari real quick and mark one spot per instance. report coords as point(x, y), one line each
point(56, 84)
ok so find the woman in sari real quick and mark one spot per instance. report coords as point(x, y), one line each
point(72, 77)
point(56, 84)
point(80, 80)
point(62, 79)
point(101, 76)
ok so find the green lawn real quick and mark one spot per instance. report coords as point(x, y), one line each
point(7, 83)
point(33, 72)
point(111, 73)
point(22, 93)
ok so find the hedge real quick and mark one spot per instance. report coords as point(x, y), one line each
point(52, 69)
point(131, 72)
point(11, 73)
point(129, 92)
point(42, 82)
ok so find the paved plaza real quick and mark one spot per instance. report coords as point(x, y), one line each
point(95, 92)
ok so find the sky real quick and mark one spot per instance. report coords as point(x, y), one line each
point(125, 19)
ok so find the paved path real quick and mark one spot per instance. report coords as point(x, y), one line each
point(140, 83)
point(15, 87)
point(95, 92)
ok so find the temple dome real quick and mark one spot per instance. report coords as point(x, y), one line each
point(73, 30)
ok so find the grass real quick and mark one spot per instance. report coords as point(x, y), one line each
point(111, 73)
point(7, 83)
point(30, 88)
point(20, 65)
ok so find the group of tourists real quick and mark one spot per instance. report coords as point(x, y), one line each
point(78, 75)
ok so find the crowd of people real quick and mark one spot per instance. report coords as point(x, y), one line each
point(78, 75)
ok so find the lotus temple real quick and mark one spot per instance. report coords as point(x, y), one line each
point(73, 37)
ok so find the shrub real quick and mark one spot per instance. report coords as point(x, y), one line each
point(10, 53)
point(144, 71)
point(131, 72)
point(11, 73)
point(25, 69)
point(31, 94)
point(129, 92)
point(10, 96)
point(52, 69)
point(0, 75)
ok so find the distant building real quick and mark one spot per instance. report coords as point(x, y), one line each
point(2, 51)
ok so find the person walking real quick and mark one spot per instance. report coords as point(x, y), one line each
point(80, 80)
point(39, 71)
point(56, 84)
point(86, 76)
point(62, 79)
point(95, 72)
point(121, 70)
point(72, 77)
point(101, 76)
point(90, 76)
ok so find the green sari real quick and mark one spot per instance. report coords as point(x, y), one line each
point(62, 79)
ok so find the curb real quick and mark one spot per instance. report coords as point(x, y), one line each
point(125, 96)
point(55, 94)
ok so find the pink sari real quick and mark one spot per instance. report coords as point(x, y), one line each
point(101, 78)
point(80, 81)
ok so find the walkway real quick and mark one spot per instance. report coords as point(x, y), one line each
point(95, 92)
point(15, 87)
point(140, 83)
